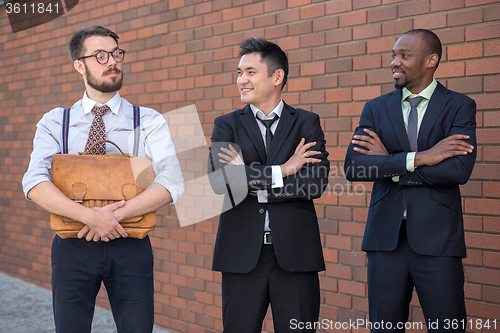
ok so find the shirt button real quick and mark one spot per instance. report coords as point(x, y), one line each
point(261, 210)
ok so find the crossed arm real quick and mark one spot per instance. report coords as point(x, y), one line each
point(300, 157)
point(100, 222)
point(448, 162)
point(309, 156)
point(444, 149)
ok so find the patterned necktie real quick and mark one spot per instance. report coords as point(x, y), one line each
point(413, 122)
point(97, 132)
point(269, 134)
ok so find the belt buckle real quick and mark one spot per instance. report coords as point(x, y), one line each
point(267, 238)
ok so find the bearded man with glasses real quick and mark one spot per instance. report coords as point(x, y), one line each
point(102, 252)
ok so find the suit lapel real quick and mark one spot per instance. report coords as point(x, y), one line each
point(285, 124)
point(395, 112)
point(250, 123)
point(436, 105)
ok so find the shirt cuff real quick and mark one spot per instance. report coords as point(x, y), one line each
point(176, 188)
point(410, 161)
point(262, 196)
point(276, 177)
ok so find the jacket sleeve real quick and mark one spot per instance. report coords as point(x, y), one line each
point(221, 175)
point(227, 178)
point(360, 167)
point(454, 170)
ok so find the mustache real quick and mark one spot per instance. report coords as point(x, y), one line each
point(112, 70)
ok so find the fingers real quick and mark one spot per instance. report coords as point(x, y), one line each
point(364, 138)
point(462, 145)
point(227, 153)
point(310, 153)
point(116, 205)
point(121, 231)
point(304, 147)
point(372, 134)
point(361, 151)
point(457, 137)
point(235, 153)
point(458, 146)
point(90, 236)
point(230, 155)
point(83, 232)
point(362, 143)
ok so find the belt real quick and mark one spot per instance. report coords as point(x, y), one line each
point(268, 238)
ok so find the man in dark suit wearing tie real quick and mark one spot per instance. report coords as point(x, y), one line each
point(268, 244)
point(417, 145)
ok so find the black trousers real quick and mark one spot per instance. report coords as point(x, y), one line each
point(439, 282)
point(294, 297)
point(125, 266)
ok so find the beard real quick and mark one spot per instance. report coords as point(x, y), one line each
point(105, 87)
point(400, 85)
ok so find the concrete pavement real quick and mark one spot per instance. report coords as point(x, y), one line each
point(27, 308)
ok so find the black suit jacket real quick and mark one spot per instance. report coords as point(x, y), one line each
point(292, 215)
point(430, 193)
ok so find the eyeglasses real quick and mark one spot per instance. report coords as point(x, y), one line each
point(102, 56)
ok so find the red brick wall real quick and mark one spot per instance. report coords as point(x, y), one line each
point(181, 52)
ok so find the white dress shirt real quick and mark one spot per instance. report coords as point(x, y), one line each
point(155, 142)
point(277, 176)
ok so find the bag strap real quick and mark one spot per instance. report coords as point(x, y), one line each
point(137, 129)
point(65, 130)
point(101, 141)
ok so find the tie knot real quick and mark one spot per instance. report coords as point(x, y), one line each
point(100, 110)
point(415, 101)
point(269, 122)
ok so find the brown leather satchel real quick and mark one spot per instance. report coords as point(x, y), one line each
point(99, 180)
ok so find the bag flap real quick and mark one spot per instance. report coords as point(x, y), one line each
point(103, 175)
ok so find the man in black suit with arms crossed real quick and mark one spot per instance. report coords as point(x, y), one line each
point(268, 245)
point(421, 140)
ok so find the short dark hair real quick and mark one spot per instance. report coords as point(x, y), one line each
point(75, 46)
point(271, 54)
point(432, 42)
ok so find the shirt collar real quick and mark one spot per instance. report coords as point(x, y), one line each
point(114, 103)
point(426, 93)
point(259, 113)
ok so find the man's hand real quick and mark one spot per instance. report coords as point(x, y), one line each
point(299, 158)
point(446, 148)
point(102, 224)
point(371, 142)
point(230, 156)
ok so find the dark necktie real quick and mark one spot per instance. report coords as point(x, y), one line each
point(269, 135)
point(413, 122)
point(97, 132)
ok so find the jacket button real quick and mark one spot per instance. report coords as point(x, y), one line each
point(261, 210)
